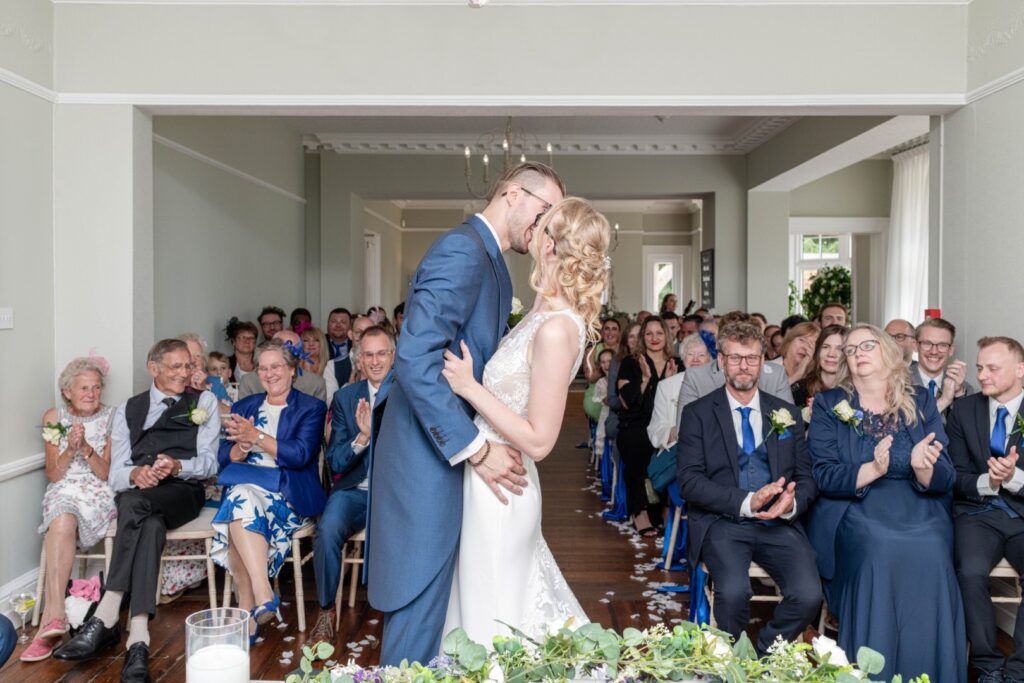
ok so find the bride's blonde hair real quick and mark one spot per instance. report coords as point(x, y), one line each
point(580, 234)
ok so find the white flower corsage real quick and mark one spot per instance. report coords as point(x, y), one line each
point(781, 420)
point(517, 306)
point(197, 415)
point(846, 414)
point(54, 432)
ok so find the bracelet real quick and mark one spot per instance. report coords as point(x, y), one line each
point(487, 452)
point(244, 449)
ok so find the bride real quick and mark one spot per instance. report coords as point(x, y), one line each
point(505, 571)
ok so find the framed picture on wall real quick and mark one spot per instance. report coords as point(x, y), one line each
point(707, 278)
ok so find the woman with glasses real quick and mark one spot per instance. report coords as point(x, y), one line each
point(242, 335)
point(269, 468)
point(881, 526)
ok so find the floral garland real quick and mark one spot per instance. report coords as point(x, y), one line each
point(592, 651)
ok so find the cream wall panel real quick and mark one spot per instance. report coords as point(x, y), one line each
point(223, 247)
point(995, 40)
point(864, 189)
point(21, 506)
point(767, 254)
point(392, 287)
point(443, 51)
point(26, 39)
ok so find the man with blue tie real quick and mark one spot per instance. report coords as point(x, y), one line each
point(937, 370)
point(984, 436)
point(745, 474)
point(347, 453)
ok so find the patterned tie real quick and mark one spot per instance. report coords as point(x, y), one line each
point(932, 386)
point(998, 442)
point(748, 431)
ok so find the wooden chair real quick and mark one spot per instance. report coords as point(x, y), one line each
point(1004, 570)
point(83, 557)
point(199, 529)
point(755, 572)
point(353, 559)
point(298, 559)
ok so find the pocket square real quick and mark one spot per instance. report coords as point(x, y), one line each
point(784, 435)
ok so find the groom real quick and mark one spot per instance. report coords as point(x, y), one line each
point(461, 291)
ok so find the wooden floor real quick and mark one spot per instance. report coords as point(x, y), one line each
point(609, 568)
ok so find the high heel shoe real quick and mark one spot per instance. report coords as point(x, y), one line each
point(254, 635)
point(267, 611)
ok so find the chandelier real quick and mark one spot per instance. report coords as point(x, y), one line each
point(510, 141)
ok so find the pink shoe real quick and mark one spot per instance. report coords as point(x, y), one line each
point(54, 628)
point(38, 650)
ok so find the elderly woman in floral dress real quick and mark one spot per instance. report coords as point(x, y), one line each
point(78, 505)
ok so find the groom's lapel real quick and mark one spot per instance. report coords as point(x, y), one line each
point(493, 250)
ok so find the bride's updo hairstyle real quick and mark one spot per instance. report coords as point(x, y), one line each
point(580, 234)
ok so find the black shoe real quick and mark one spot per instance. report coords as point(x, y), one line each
point(90, 641)
point(136, 664)
point(992, 677)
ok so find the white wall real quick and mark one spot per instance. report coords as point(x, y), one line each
point(384, 218)
point(224, 246)
point(861, 190)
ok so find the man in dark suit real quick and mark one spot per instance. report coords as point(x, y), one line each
point(938, 370)
point(348, 456)
point(745, 475)
point(984, 436)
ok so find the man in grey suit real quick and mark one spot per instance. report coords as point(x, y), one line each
point(702, 380)
point(308, 382)
point(937, 370)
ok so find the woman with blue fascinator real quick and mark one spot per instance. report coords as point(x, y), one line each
point(269, 467)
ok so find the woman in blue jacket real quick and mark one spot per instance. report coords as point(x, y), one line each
point(269, 467)
point(881, 526)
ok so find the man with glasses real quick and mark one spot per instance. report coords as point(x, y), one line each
point(903, 332)
point(745, 474)
point(461, 291)
point(271, 321)
point(164, 443)
point(936, 369)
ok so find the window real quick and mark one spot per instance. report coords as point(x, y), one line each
point(812, 252)
point(664, 282)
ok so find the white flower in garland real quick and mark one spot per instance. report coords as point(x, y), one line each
point(828, 651)
point(717, 646)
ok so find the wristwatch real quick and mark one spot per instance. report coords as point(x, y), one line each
point(261, 436)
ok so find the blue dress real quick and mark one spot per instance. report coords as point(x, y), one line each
point(895, 589)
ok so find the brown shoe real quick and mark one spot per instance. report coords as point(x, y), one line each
point(323, 631)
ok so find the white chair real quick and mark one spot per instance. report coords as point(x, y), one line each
point(83, 557)
point(1004, 570)
point(298, 559)
point(755, 572)
point(199, 529)
point(353, 559)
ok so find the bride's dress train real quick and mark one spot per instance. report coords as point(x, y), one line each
point(505, 570)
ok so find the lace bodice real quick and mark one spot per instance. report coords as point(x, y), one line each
point(507, 373)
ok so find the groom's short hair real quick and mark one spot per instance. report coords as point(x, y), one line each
point(530, 174)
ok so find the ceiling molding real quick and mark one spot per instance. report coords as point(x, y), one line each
point(382, 218)
point(748, 139)
point(27, 85)
point(995, 85)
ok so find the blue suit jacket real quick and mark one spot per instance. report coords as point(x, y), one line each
point(838, 451)
point(299, 436)
point(351, 467)
point(708, 469)
point(461, 291)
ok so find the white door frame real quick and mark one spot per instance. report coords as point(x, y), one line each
point(372, 253)
point(679, 255)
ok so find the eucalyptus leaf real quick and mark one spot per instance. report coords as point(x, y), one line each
point(734, 673)
point(305, 666)
point(324, 650)
point(744, 649)
point(293, 678)
point(454, 641)
point(847, 677)
point(472, 657)
point(632, 637)
point(869, 661)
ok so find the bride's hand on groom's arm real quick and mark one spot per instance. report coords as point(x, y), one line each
point(500, 467)
point(459, 371)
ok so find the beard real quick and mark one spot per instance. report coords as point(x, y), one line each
point(739, 384)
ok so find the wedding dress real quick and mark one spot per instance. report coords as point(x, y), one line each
point(505, 571)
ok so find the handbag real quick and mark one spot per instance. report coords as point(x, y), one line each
point(662, 469)
point(267, 478)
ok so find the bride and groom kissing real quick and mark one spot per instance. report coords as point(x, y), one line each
point(454, 537)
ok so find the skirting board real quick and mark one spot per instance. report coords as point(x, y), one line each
point(26, 581)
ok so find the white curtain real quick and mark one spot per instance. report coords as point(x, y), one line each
point(906, 266)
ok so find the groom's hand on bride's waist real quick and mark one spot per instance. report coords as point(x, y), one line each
point(500, 467)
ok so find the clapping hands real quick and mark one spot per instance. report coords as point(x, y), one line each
point(1001, 470)
point(364, 418)
point(925, 454)
point(881, 461)
point(783, 505)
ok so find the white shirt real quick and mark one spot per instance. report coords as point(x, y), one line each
point(358, 448)
point(925, 378)
point(1013, 406)
point(478, 441)
point(757, 424)
point(665, 415)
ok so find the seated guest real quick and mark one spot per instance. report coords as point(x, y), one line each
point(271, 320)
point(689, 325)
point(821, 375)
point(944, 376)
point(398, 315)
point(775, 344)
point(642, 316)
point(903, 332)
point(881, 527)
point(798, 350)
point(706, 378)
point(988, 506)
point(269, 466)
point(604, 364)
point(306, 382)
point(664, 425)
point(242, 336)
point(771, 351)
point(163, 445)
point(611, 333)
point(760, 320)
point(790, 322)
point(338, 323)
point(314, 343)
point(300, 319)
point(833, 313)
point(710, 326)
point(672, 323)
point(348, 456)
point(78, 505)
point(219, 366)
point(746, 478)
point(342, 371)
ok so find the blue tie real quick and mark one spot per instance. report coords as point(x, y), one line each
point(748, 431)
point(998, 443)
point(931, 388)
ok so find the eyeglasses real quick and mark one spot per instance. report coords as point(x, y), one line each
point(380, 355)
point(245, 338)
point(736, 359)
point(267, 369)
point(545, 203)
point(180, 366)
point(927, 346)
point(867, 346)
point(901, 336)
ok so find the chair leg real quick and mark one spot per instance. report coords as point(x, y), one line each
point(159, 580)
point(211, 575)
point(711, 603)
point(671, 550)
point(83, 567)
point(615, 480)
point(40, 584)
point(227, 589)
point(340, 591)
point(108, 552)
point(353, 581)
point(300, 598)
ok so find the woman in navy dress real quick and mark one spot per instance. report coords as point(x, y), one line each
point(881, 526)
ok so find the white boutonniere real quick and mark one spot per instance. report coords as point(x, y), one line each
point(806, 414)
point(847, 415)
point(197, 415)
point(781, 420)
point(1019, 429)
point(517, 306)
point(54, 432)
